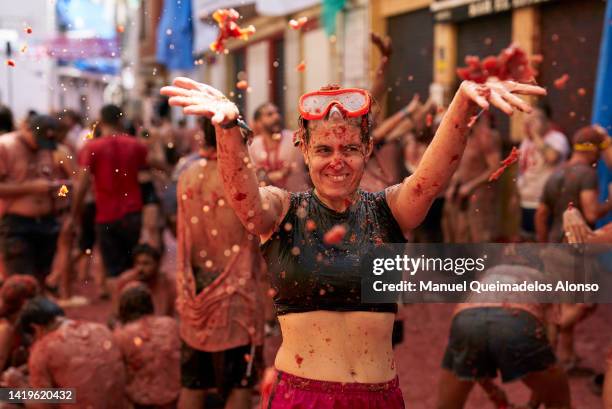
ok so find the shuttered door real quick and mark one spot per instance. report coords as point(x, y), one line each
point(411, 67)
point(570, 37)
point(482, 37)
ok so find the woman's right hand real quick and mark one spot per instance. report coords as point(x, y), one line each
point(197, 98)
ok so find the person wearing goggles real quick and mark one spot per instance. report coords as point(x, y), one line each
point(336, 351)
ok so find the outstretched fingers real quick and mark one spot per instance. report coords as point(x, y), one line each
point(190, 84)
point(172, 91)
point(475, 96)
point(516, 102)
point(525, 89)
point(496, 99)
point(180, 101)
point(198, 110)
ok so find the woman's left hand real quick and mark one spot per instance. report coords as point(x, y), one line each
point(501, 94)
point(576, 229)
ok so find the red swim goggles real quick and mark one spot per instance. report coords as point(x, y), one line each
point(315, 105)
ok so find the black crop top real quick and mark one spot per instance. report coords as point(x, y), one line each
point(308, 275)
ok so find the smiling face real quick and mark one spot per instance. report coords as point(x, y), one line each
point(336, 157)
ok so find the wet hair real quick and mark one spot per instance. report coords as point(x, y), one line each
point(367, 124)
point(163, 109)
point(210, 134)
point(15, 291)
point(39, 310)
point(45, 128)
point(259, 110)
point(544, 106)
point(589, 135)
point(148, 250)
point(74, 115)
point(6, 119)
point(111, 115)
point(130, 127)
point(135, 302)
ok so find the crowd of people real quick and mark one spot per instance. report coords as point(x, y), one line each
point(270, 226)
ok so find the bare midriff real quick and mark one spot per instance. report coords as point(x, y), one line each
point(33, 205)
point(337, 346)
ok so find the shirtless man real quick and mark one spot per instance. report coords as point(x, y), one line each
point(277, 160)
point(72, 354)
point(146, 271)
point(29, 185)
point(219, 281)
point(575, 182)
point(469, 213)
point(151, 347)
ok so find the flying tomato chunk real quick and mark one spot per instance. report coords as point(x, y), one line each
point(242, 84)
point(301, 67)
point(28, 30)
point(228, 28)
point(90, 135)
point(512, 63)
point(508, 161)
point(561, 82)
point(334, 235)
point(63, 192)
point(10, 62)
point(310, 225)
point(299, 23)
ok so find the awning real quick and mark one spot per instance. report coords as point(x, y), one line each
point(283, 7)
point(263, 7)
point(459, 10)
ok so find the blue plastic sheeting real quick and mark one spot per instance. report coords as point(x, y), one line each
point(175, 35)
point(100, 66)
point(602, 107)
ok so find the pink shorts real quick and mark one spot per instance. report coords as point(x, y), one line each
point(293, 392)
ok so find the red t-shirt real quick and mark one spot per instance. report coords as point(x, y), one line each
point(114, 162)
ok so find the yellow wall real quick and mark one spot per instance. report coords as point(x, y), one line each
point(445, 58)
point(525, 32)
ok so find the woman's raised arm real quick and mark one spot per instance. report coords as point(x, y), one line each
point(259, 209)
point(410, 200)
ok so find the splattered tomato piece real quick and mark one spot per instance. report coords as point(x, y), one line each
point(242, 84)
point(299, 23)
point(561, 81)
point(510, 159)
point(301, 67)
point(63, 191)
point(228, 28)
point(335, 234)
point(10, 62)
point(512, 63)
point(310, 225)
